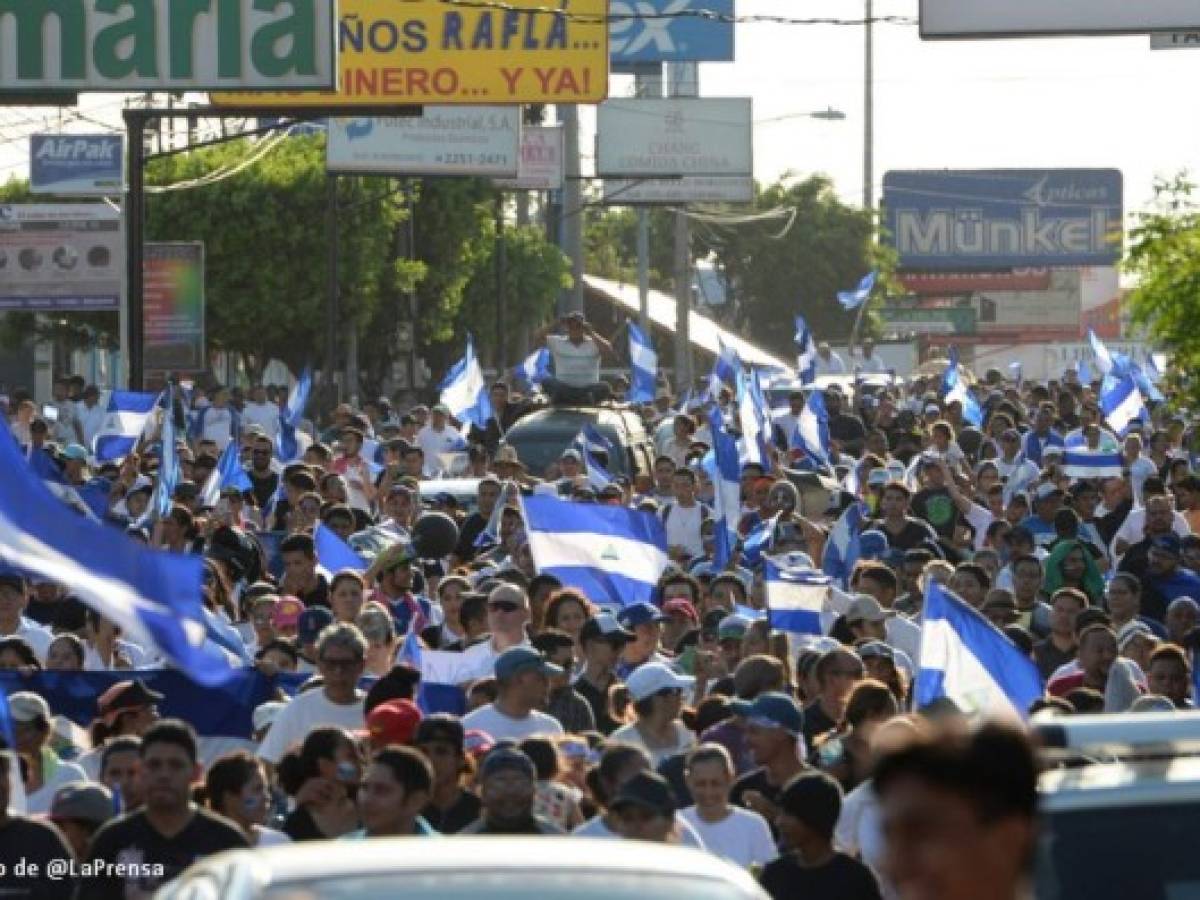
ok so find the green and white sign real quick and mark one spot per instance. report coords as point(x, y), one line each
point(167, 45)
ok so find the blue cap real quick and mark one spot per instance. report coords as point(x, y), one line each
point(1167, 543)
point(76, 452)
point(312, 622)
point(872, 543)
point(513, 662)
point(771, 710)
point(639, 614)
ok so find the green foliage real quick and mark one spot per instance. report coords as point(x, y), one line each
point(1164, 255)
point(610, 246)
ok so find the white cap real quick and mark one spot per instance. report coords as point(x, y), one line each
point(650, 678)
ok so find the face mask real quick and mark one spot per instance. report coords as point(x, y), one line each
point(347, 772)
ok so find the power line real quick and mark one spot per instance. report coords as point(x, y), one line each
point(709, 15)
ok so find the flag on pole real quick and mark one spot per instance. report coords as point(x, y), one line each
point(855, 298)
point(965, 658)
point(806, 358)
point(728, 363)
point(287, 445)
point(796, 596)
point(1104, 359)
point(842, 546)
point(126, 420)
point(752, 421)
point(334, 554)
point(643, 366)
point(954, 388)
point(465, 392)
point(725, 473)
point(1121, 402)
point(811, 436)
point(228, 473)
point(534, 369)
point(168, 464)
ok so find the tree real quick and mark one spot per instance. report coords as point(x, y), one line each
point(610, 246)
point(1164, 255)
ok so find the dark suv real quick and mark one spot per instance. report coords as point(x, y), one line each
point(542, 436)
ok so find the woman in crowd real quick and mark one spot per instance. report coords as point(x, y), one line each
point(236, 788)
point(322, 777)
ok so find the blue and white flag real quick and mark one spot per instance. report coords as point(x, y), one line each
point(1121, 402)
point(534, 369)
point(287, 446)
point(855, 298)
point(795, 596)
point(169, 472)
point(465, 392)
point(751, 421)
point(490, 536)
point(154, 597)
point(728, 363)
point(127, 418)
point(1023, 475)
point(727, 490)
point(968, 660)
point(1082, 463)
point(598, 477)
point(811, 436)
point(1104, 360)
point(334, 554)
point(757, 542)
point(590, 438)
point(643, 366)
point(842, 546)
point(228, 473)
point(613, 554)
point(1144, 383)
point(806, 358)
point(954, 388)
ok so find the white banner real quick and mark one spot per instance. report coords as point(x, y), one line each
point(627, 192)
point(680, 136)
point(1019, 18)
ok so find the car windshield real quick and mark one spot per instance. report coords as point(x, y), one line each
point(540, 443)
point(513, 885)
point(1147, 852)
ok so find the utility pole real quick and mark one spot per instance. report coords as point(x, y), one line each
point(571, 299)
point(683, 80)
point(869, 106)
point(331, 300)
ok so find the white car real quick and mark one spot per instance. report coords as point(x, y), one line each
point(465, 868)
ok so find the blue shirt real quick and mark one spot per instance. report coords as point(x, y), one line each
point(1034, 445)
point(1043, 532)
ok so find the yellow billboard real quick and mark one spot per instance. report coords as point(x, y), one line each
point(417, 52)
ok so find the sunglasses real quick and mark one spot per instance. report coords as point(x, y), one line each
point(505, 606)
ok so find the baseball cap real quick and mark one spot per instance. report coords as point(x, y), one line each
point(872, 543)
point(681, 607)
point(287, 612)
point(75, 452)
point(639, 614)
point(83, 802)
point(1167, 543)
point(477, 742)
point(441, 408)
point(1045, 491)
point(126, 695)
point(506, 758)
point(1000, 602)
point(650, 678)
point(733, 627)
point(773, 709)
point(311, 623)
point(512, 662)
point(865, 609)
point(441, 728)
point(1131, 630)
point(25, 706)
point(571, 454)
point(647, 790)
point(604, 627)
point(393, 722)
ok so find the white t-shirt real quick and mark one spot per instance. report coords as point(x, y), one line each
point(629, 734)
point(595, 828)
point(91, 420)
point(742, 837)
point(269, 837)
point(682, 524)
point(264, 415)
point(34, 635)
point(307, 711)
point(577, 365)
point(66, 773)
point(1133, 529)
point(218, 426)
point(132, 652)
point(832, 366)
point(859, 833)
point(436, 444)
point(500, 726)
point(479, 661)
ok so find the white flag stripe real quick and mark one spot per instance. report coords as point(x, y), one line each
point(975, 690)
point(631, 559)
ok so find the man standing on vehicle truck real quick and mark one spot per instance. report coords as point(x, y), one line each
point(576, 357)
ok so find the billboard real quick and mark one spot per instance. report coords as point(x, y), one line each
point(679, 34)
point(1023, 18)
point(166, 45)
point(542, 161)
point(661, 138)
point(428, 51)
point(77, 164)
point(698, 189)
point(956, 220)
point(61, 257)
point(946, 284)
point(173, 307)
point(443, 140)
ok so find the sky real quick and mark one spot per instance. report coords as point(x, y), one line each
point(1084, 102)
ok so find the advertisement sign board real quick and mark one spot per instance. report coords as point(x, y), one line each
point(658, 31)
point(449, 140)
point(700, 189)
point(950, 320)
point(1052, 311)
point(173, 311)
point(429, 51)
point(956, 220)
point(76, 164)
point(166, 45)
point(61, 257)
point(541, 166)
point(949, 284)
point(661, 138)
point(1024, 18)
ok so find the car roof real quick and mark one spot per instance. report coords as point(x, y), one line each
point(300, 861)
point(1113, 785)
point(602, 415)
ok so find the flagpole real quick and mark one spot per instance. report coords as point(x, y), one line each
point(862, 309)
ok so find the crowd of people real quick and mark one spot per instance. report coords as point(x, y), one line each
point(690, 719)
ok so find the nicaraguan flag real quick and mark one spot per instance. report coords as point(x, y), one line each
point(490, 536)
point(534, 369)
point(154, 597)
point(643, 366)
point(855, 298)
point(613, 554)
point(728, 363)
point(287, 446)
point(228, 473)
point(598, 476)
point(795, 595)
point(954, 388)
point(1121, 402)
point(811, 436)
point(752, 421)
point(757, 542)
point(968, 660)
point(725, 473)
point(1080, 463)
point(333, 553)
point(465, 392)
point(1104, 359)
point(1144, 383)
point(591, 439)
point(842, 546)
point(806, 358)
point(169, 472)
point(125, 422)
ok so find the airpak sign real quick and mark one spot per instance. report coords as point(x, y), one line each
point(431, 52)
point(122, 45)
point(1004, 219)
point(76, 164)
